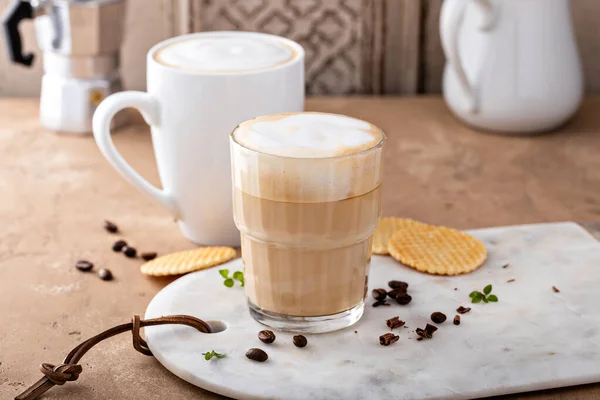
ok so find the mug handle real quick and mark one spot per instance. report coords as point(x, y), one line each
point(150, 110)
point(450, 24)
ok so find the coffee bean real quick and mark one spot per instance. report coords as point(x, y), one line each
point(118, 245)
point(398, 285)
point(110, 227)
point(438, 317)
point(463, 310)
point(257, 355)
point(300, 341)
point(394, 323)
point(266, 336)
point(404, 299)
point(394, 293)
point(105, 274)
point(130, 252)
point(387, 339)
point(379, 294)
point(456, 320)
point(84, 265)
point(149, 256)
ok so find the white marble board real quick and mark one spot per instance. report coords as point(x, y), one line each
point(531, 339)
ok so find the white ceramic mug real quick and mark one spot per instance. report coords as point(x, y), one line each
point(191, 113)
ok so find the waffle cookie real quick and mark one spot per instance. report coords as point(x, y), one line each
point(386, 227)
point(437, 250)
point(188, 261)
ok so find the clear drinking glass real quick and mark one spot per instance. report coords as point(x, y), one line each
point(306, 229)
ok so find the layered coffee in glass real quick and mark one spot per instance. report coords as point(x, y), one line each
point(306, 199)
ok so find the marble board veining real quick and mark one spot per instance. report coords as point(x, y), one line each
point(532, 339)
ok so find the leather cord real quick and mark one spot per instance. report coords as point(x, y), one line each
point(69, 370)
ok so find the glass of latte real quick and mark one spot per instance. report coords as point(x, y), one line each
point(306, 199)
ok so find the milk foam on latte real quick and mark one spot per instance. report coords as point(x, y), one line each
point(328, 140)
point(308, 135)
point(225, 53)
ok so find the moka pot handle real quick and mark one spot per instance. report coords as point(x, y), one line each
point(16, 12)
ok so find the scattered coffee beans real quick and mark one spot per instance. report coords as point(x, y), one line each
point(438, 317)
point(394, 293)
point(266, 336)
point(110, 227)
point(394, 323)
point(105, 274)
point(463, 310)
point(257, 355)
point(379, 294)
point(555, 290)
point(456, 320)
point(300, 341)
point(403, 299)
point(118, 245)
point(380, 303)
point(387, 339)
point(84, 265)
point(398, 285)
point(148, 256)
point(130, 252)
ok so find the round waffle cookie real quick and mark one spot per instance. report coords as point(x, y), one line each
point(437, 250)
point(188, 261)
point(386, 227)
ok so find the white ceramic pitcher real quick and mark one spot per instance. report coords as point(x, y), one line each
point(512, 65)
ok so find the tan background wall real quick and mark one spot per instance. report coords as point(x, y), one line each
point(353, 46)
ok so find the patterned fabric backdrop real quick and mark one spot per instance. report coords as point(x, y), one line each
point(344, 40)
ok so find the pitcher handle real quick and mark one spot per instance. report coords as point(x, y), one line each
point(450, 24)
point(150, 110)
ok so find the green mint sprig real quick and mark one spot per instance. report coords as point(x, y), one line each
point(485, 296)
point(211, 354)
point(229, 282)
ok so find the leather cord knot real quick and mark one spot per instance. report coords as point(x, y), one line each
point(69, 370)
point(138, 342)
point(61, 373)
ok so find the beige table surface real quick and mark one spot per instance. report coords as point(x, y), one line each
point(55, 191)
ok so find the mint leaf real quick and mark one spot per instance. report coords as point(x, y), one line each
point(211, 354)
point(228, 282)
point(492, 298)
point(485, 300)
point(474, 293)
point(477, 297)
point(487, 289)
point(224, 273)
point(238, 276)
